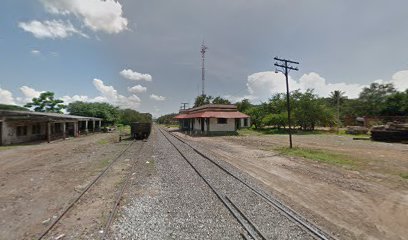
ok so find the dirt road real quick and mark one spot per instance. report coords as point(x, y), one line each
point(367, 202)
point(38, 181)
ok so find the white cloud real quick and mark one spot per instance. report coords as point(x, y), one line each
point(263, 84)
point(399, 79)
point(97, 15)
point(132, 75)
point(323, 89)
point(6, 97)
point(107, 91)
point(137, 89)
point(35, 52)
point(69, 99)
point(28, 94)
point(50, 29)
point(110, 95)
point(157, 98)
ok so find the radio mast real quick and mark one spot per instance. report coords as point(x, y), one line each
point(203, 50)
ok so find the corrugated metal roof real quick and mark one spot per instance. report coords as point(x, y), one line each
point(45, 114)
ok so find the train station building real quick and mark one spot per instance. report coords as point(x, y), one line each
point(212, 119)
point(24, 126)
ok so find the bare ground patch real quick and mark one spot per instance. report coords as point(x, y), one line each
point(38, 181)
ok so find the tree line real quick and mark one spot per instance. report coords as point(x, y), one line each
point(308, 110)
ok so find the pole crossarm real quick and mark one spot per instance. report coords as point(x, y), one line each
point(288, 67)
point(285, 60)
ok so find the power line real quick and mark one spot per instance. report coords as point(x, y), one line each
point(285, 68)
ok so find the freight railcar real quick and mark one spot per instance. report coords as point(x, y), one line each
point(140, 130)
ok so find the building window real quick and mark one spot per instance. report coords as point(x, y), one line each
point(221, 120)
point(245, 122)
point(36, 129)
point(22, 131)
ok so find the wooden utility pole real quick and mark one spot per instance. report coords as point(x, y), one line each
point(285, 68)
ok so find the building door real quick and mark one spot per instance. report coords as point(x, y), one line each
point(237, 123)
point(1, 133)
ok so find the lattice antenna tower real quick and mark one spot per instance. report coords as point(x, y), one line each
point(203, 51)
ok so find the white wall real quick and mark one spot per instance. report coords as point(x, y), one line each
point(215, 127)
point(9, 133)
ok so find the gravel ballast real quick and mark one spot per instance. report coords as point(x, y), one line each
point(271, 222)
point(168, 200)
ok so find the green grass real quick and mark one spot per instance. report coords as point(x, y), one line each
point(103, 141)
point(320, 155)
point(269, 131)
point(124, 129)
point(4, 148)
point(404, 175)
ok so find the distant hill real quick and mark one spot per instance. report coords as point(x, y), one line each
point(12, 107)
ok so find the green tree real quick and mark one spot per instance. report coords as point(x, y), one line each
point(336, 98)
point(220, 100)
point(46, 103)
point(396, 104)
point(167, 119)
point(127, 116)
point(257, 113)
point(277, 120)
point(373, 98)
point(309, 111)
point(243, 106)
point(105, 111)
point(202, 100)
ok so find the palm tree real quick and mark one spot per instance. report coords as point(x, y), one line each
point(337, 97)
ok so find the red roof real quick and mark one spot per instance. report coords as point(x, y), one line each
point(212, 114)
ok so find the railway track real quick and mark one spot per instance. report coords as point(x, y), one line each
point(118, 198)
point(89, 186)
point(251, 229)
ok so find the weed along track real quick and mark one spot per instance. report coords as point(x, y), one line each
point(261, 215)
point(87, 189)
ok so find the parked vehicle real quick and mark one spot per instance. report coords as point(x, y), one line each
point(140, 130)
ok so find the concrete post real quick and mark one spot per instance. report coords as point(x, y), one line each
point(86, 127)
point(93, 126)
point(64, 130)
point(76, 133)
point(100, 125)
point(48, 132)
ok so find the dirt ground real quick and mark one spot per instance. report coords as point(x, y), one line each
point(38, 181)
point(369, 201)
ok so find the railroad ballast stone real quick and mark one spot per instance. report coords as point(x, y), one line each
point(175, 203)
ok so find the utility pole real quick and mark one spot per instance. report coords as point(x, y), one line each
point(285, 68)
point(203, 50)
point(183, 105)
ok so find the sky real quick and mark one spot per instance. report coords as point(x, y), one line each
point(145, 55)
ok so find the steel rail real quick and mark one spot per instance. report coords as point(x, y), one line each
point(251, 229)
point(291, 214)
point(106, 232)
point(65, 211)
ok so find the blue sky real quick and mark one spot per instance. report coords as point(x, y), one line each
point(78, 48)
